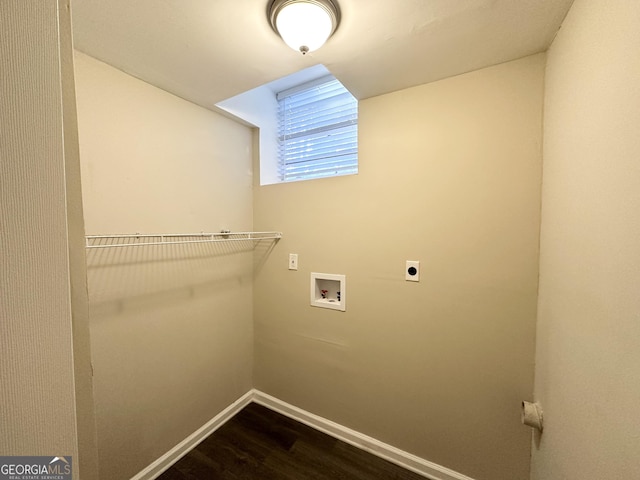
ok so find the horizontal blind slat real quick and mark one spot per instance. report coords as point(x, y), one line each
point(319, 172)
point(319, 149)
point(310, 118)
point(308, 103)
point(318, 131)
point(328, 166)
point(321, 115)
point(329, 88)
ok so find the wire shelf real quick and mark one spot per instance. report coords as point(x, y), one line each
point(139, 240)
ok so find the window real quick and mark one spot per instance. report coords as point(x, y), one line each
point(317, 131)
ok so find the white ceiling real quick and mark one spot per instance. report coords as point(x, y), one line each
point(206, 51)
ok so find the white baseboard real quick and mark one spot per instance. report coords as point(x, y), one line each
point(176, 453)
point(404, 459)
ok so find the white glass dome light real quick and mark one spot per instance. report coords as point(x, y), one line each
point(304, 25)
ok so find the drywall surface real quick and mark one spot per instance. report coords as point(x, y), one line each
point(587, 355)
point(449, 175)
point(42, 269)
point(171, 326)
point(259, 107)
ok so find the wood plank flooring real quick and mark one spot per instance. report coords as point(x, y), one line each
point(259, 444)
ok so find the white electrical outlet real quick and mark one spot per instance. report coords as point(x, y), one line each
point(293, 261)
point(412, 271)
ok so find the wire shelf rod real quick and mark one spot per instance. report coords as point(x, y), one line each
point(137, 240)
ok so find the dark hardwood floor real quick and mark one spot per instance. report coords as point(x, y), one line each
point(259, 444)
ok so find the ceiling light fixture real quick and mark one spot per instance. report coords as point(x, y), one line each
point(304, 25)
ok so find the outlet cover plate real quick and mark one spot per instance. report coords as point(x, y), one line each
point(412, 271)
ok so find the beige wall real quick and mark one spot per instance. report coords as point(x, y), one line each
point(171, 326)
point(449, 175)
point(587, 356)
point(46, 396)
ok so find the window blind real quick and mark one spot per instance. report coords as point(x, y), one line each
point(318, 131)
